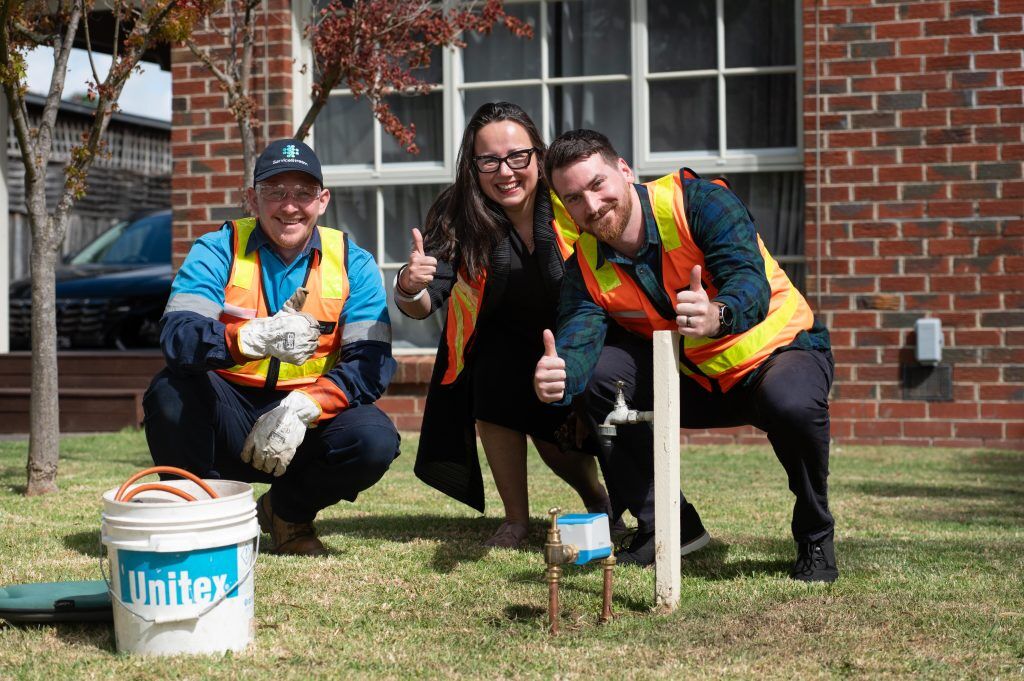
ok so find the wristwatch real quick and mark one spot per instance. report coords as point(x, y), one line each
point(724, 320)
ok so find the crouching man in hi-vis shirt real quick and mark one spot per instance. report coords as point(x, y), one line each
point(278, 342)
point(681, 253)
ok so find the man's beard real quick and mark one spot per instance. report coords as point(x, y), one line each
point(610, 227)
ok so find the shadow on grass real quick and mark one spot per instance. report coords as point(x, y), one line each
point(86, 543)
point(13, 478)
point(99, 635)
point(461, 539)
point(998, 466)
point(970, 503)
point(571, 583)
point(712, 562)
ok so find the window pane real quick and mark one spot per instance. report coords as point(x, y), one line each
point(776, 200)
point(605, 107)
point(427, 112)
point(344, 132)
point(501, 55)
point(354, 210)
point(526, 97)
point(760, 33)
point(684, 115)
point(588, 38)
point(760, 111)
point(407, 332)
point(405, 207)
point(681, 35)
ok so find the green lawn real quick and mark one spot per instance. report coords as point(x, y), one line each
point(929, 541)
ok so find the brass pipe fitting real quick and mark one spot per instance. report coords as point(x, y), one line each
point(606, 610)
point(553, 574)
point(555, 554)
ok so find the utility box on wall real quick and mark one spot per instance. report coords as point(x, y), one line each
point(927, 379)
point(928, 350)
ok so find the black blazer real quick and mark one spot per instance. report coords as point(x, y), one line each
point(447, 457)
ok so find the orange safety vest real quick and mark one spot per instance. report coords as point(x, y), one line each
point(328, 286)
point(709, 361)
point(467, 295)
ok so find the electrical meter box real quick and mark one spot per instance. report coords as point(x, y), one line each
point(929, 341)
point(589, 533)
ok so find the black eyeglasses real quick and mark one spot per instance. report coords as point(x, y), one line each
point(517, 160)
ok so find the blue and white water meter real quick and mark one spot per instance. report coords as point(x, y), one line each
point(589, 533)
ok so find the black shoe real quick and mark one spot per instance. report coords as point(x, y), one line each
point(815, 562)
point(692, 534)
point(692, 537)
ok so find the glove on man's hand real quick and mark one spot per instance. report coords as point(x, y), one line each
point(289, 335)
point(295, 303)
point(276, 435)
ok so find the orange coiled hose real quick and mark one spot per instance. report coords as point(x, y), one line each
point(121, 496)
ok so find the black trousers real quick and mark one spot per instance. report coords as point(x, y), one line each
point(788, 400)
point(200, 422)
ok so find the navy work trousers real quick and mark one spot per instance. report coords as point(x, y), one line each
point(199, 422)
point(788, 400)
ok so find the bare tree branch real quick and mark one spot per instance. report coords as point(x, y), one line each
point(62, 52)
point(34, 36)
point(207, 60)
point(88, 49)
point(18, 112)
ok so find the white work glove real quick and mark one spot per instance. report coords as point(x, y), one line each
point(289, 335)
point(276, 435)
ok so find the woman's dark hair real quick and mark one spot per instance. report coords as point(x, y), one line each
point(462, 224)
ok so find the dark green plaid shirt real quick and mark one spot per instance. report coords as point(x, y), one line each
point(723, 230)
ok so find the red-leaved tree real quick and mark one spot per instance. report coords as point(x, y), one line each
point(375, 47)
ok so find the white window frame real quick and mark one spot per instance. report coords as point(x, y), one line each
point(645, 162)
point(725, 160)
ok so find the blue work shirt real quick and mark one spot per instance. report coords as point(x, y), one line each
point(192, 336)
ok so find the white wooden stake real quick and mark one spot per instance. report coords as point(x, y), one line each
point(667, 569)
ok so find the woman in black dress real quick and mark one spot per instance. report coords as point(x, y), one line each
point(490, 250)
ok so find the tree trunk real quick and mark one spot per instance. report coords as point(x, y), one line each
point(248, 155)
point(44, 432)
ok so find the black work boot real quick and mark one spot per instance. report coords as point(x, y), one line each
point(815, 561)
point(692, 537)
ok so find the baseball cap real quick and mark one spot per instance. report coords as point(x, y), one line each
point(282, 156)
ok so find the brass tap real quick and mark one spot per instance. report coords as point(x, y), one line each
point(555, 552)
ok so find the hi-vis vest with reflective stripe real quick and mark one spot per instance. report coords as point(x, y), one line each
point(467, 296)
point(327, 282)
point(709, 361)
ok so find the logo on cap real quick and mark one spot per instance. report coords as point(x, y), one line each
point(291, 151)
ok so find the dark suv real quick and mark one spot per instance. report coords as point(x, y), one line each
point(109, 295)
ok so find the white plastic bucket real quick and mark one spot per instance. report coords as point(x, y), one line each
point(181, 572)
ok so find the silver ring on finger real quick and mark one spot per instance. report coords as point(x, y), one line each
point(686, 321)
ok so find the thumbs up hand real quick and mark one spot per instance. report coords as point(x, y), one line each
point(696, 315)
point(419, 271)
point(549, 377)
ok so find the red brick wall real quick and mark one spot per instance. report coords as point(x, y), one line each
point(207, 182)
point(921, 206)
point(921, 210)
